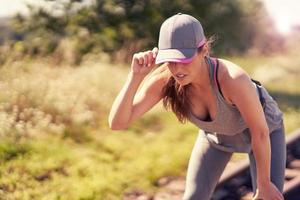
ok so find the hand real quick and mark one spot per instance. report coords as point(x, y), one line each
point(143, 62)
point(268, 192)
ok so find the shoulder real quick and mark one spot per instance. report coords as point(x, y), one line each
point(233, 79)
point(243, 94)
point(231, 74)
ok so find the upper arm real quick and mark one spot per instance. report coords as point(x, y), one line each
point(243, 94)
point(150, 93)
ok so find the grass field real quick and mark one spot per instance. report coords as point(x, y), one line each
point(56, 144)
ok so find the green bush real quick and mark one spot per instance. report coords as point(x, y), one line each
point(111, 26)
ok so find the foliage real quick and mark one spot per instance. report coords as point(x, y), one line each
point(121, 27)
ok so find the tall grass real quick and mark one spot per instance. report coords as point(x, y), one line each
point(37, 97)
point(56, 144)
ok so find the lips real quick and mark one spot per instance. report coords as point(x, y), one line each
point(180, 75)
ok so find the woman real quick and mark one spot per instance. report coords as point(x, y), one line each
point(233, 113)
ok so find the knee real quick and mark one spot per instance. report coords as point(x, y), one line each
point(189, 197)
point(194, 195)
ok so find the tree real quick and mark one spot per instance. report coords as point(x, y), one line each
point(120, 27)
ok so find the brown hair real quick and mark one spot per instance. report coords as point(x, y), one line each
point(176, 97)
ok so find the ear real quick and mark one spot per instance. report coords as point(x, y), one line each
point(205, 49)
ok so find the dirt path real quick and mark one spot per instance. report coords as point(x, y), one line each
point(170, 188)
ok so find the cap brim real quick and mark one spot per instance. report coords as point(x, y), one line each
point(175, 55)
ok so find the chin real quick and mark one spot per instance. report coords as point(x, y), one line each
point(183, 82)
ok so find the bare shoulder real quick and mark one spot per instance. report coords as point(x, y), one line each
point(231, 73)
point(233, 79)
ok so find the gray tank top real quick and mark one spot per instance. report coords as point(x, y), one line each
point(228, 131)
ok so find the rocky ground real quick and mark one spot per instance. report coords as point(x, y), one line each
point(170, 188)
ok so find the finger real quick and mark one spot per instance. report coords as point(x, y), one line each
point(141, 59)
point(155, 51)
point(280, 197)
point(257, 197)
point(135, 58)
point(150, 58)
point(145, 56)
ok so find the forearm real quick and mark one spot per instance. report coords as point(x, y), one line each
point(120, 113)
point(262, 153)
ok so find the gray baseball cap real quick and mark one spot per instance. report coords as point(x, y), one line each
point(179, 38)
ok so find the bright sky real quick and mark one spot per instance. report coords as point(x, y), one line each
point(284, 12)
point(10, 7)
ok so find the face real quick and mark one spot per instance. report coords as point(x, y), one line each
point(186, 73)
point(182, 72)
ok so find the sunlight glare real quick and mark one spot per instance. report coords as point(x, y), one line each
point(283, 26)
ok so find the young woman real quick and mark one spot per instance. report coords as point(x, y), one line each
point(234, 113)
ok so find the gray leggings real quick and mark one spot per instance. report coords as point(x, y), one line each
point(207, 164)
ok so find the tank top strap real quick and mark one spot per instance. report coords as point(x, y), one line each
point(212, 62)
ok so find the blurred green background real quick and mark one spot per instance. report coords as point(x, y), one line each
point(63, 63)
